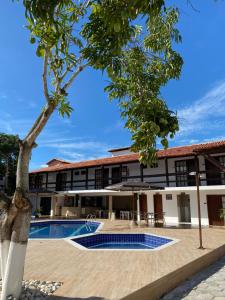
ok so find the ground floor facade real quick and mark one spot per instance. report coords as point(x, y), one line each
point(176, 206)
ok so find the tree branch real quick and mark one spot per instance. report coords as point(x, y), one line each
point(39, 124)
point(74, 75)
point(63, 76)
point(44, 76)
point(192, 6)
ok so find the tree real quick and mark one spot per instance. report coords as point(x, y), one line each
point(9, 151)
point(132, 41)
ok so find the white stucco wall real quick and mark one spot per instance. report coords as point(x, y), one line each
point(170, 207)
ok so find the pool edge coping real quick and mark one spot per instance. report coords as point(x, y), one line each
point(80, 247)
point(66, 238)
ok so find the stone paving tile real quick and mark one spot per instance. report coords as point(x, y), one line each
point(208, 284)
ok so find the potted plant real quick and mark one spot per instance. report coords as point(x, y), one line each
point(37, 213)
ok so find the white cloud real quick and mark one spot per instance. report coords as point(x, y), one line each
point(77, 157)
point(118, 125)
point(75, 148)
point(8, 124)
point(3, 96)
point(32, 104)
point(205, 114)
point(85, 145)
point(74, 143)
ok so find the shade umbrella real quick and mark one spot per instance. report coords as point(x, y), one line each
point(131, 186)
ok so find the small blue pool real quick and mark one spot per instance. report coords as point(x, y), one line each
point(61, 229)
point(122, 241)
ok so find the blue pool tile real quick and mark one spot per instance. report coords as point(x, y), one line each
point(122, 241)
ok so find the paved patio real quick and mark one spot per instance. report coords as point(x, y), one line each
point(205, 285)
point(121, 274)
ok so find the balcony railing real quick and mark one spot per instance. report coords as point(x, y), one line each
point(170, 179)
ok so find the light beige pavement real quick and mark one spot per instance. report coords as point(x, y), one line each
point(122, 274)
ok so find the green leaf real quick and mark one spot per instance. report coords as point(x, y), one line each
point(40, 52)
point(32, 40)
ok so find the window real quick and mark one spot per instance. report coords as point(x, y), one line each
point(116, 175)
point(124, 173)
point(214, 175)
point(83, 172)
point(169, 197)
point(101, 178)
point(98, 179)
point(181, 173)
point(61, 181)
point(38, 181)
point(32, 182)
point(76, 173)
point(183, 169)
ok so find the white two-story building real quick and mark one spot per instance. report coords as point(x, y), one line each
point(78, 189)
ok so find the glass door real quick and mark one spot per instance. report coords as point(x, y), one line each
point(184, 208)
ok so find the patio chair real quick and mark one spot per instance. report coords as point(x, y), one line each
point(150, 218)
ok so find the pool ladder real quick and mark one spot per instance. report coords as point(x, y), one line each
point(89, 219)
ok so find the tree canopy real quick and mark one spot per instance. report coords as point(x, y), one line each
point(132, 41)
point(9, 151)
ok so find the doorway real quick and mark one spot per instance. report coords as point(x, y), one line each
point(184, 208)
point(45, 205)
point(116, 175)
point(143, 204)
point(158, 206)
point(214, 204)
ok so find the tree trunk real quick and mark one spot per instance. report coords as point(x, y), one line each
point(15, 223)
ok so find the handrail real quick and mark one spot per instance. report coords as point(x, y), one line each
point(89, 219)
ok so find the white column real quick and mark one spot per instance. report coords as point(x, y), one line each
point(110, 208)
point(138, 209)
point(52, 213)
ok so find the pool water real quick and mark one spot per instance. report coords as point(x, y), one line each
point(111, 245)
point(122, 241)
point(61, 229)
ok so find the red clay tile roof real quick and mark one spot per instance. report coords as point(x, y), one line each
point(170, 152)
point(91, 163)
point(217, 146)
point(57, 161)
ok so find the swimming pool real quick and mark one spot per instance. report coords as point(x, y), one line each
point(61, 229)
point(119, 241)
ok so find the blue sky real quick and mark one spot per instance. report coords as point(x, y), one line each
point(95, 125)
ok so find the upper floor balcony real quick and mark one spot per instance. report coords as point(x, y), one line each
point(172, 169)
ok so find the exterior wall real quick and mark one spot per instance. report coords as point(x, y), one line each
point(170, 207)
point(156, 175)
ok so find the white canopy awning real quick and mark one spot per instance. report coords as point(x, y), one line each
point(207, 188)
point(101, 192)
